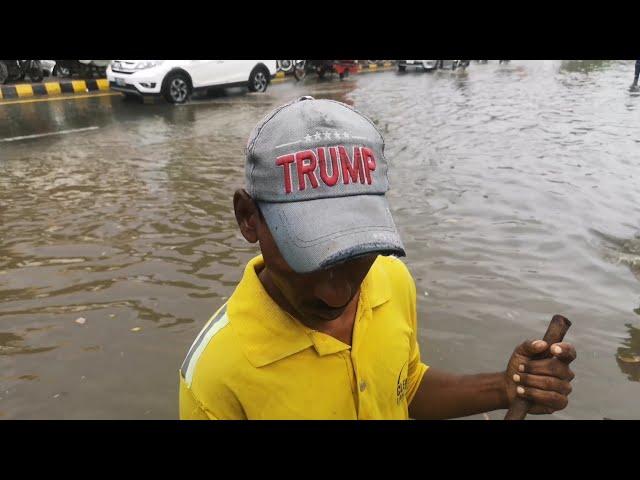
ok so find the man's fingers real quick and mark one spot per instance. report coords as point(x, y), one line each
point(563, 351)
point(531, 348)
point(544, 398)
point(551, 367)
point(543, 382)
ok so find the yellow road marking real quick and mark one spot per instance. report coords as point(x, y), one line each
point(53, 88)
point(79, 85)
point(24, 90)
point(53, 99)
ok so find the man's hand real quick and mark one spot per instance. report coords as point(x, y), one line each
point(545, 383)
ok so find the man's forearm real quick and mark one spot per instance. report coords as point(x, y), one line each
point(443, 395)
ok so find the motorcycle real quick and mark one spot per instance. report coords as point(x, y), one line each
point(95, 67)
point(288, 66)
point(322, 67)
point(84, 68)
point(11, 70)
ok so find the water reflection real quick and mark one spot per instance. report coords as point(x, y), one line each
point(584, 66)
point(13, 344)
point(622, 251)
point(628, 356)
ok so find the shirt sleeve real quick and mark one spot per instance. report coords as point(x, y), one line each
point(190, 407)
point(417, 368)
point(208, 399)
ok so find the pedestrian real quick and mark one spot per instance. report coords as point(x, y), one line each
point(323, 324)
point(634, 85)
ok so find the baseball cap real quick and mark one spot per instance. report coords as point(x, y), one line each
point(317, 170)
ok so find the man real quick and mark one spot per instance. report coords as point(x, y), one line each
point(634, 85)
point(323, 324)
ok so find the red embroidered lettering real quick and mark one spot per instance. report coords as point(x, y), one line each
point(284, 161)
point(330, 181)
point(369, 162)
point(307, 169)
point(351, 171)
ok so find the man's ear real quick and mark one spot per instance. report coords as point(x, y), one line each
point(247, 215)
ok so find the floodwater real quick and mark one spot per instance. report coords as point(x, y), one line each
point(513, 186)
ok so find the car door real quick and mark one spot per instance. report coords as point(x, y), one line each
point(205, 73)
point(239, 70)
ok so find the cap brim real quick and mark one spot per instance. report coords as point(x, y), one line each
point(316, 234)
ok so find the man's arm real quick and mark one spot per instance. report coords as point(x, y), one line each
point(546, 383)
point(444, 395)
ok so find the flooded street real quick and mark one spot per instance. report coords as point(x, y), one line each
point(514, 187)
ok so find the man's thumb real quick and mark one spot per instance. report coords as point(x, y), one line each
point(532, 347)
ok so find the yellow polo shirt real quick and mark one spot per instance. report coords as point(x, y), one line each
point(254, 361)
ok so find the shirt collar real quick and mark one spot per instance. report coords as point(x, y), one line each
point(267, 333)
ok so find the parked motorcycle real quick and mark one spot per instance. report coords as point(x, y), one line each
point(83, 68)
point(67, 68)
point(288, 66)
point(96, 67)
point(11, 70)
point(322, 67)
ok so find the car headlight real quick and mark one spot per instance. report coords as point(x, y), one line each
point(147, 64)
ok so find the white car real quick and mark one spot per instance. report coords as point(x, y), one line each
point(176, 80)
point(423, 64)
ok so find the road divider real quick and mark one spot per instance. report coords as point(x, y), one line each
point(27, 90)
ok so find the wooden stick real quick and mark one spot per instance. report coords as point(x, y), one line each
point(555, 333)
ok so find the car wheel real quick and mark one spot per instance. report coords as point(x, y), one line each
point(258, 80)
point(4, 73)
point(176, 88)
point(402, 68)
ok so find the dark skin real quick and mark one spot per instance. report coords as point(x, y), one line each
point(327, 301)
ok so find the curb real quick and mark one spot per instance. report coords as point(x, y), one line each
point(52, 88)
point(366, 68)
point(49, 89)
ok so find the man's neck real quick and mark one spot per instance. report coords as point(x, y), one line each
point(340, 328)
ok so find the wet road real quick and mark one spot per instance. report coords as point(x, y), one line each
point(514, 188)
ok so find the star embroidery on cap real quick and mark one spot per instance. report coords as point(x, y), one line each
point(327, 135)
point(345, 135)
point(308, 137)
point(318, 135)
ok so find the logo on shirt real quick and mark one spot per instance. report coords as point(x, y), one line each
point(402, 385)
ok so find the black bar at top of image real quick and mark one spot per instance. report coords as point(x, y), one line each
point(66, 87)
point(9, 91)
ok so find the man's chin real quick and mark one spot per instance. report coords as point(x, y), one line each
point(328, 316)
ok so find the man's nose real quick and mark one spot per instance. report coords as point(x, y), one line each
point(335, 291)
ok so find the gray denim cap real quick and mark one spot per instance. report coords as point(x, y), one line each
point(320, 215)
